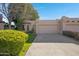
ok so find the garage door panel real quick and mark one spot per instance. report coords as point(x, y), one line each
point(46, 26)
point(47, 29)
point(71, 27)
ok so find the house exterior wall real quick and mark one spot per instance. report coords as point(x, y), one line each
point(1, 26)
point(30, 24)
point(70, 24)
point(55, 26)
point(1, 22)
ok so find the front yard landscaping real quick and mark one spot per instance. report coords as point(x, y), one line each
point(18, 33)
point(14, 43)
point(72, 34)
point(31, 37)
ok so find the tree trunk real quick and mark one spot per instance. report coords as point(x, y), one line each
point(9, 24)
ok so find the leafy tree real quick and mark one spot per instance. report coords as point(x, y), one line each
point(5, 11)
point(21, 12)
point(32, 12)
point(18, 13)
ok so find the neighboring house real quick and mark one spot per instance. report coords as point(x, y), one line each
point(70, 24)
point(4, 25)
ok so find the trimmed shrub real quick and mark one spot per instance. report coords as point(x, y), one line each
point(70, 33)
point(77, 36)
point(11, 42)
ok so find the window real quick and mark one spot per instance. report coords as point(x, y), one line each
point(22, 6)
point(20, 11)
point(23, 27)
point(28, 27)
point(77, 21)
point(68, 21)
point(73, 21)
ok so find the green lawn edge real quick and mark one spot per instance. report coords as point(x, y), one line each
point(27, 44)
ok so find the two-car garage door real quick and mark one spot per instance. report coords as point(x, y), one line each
point(46, 27)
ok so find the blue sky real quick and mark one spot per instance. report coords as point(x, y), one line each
point(52, 11)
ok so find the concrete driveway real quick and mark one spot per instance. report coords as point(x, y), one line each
point(53, 45)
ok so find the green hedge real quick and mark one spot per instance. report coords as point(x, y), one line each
point(31, 37)
point(71, 34)
point(77, 36)
point(11, 42)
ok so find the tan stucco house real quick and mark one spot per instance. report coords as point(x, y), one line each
point(54, 26)
point(3, 24)
point(50, 26)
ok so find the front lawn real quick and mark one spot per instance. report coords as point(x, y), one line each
point(27, 44)
point(25, 49)
point(31, 37)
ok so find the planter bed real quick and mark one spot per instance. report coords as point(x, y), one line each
point(71, 34)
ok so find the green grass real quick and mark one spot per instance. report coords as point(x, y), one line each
point(27, 44)
point(25, 49)
point(31, 37)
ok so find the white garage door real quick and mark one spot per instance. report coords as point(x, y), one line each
point(46, 26)
point(47, 29)
point(71, 27)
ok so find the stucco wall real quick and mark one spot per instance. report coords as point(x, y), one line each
point(55, 26)
point(70, 24)
point(30, 24)
point(1, 26)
